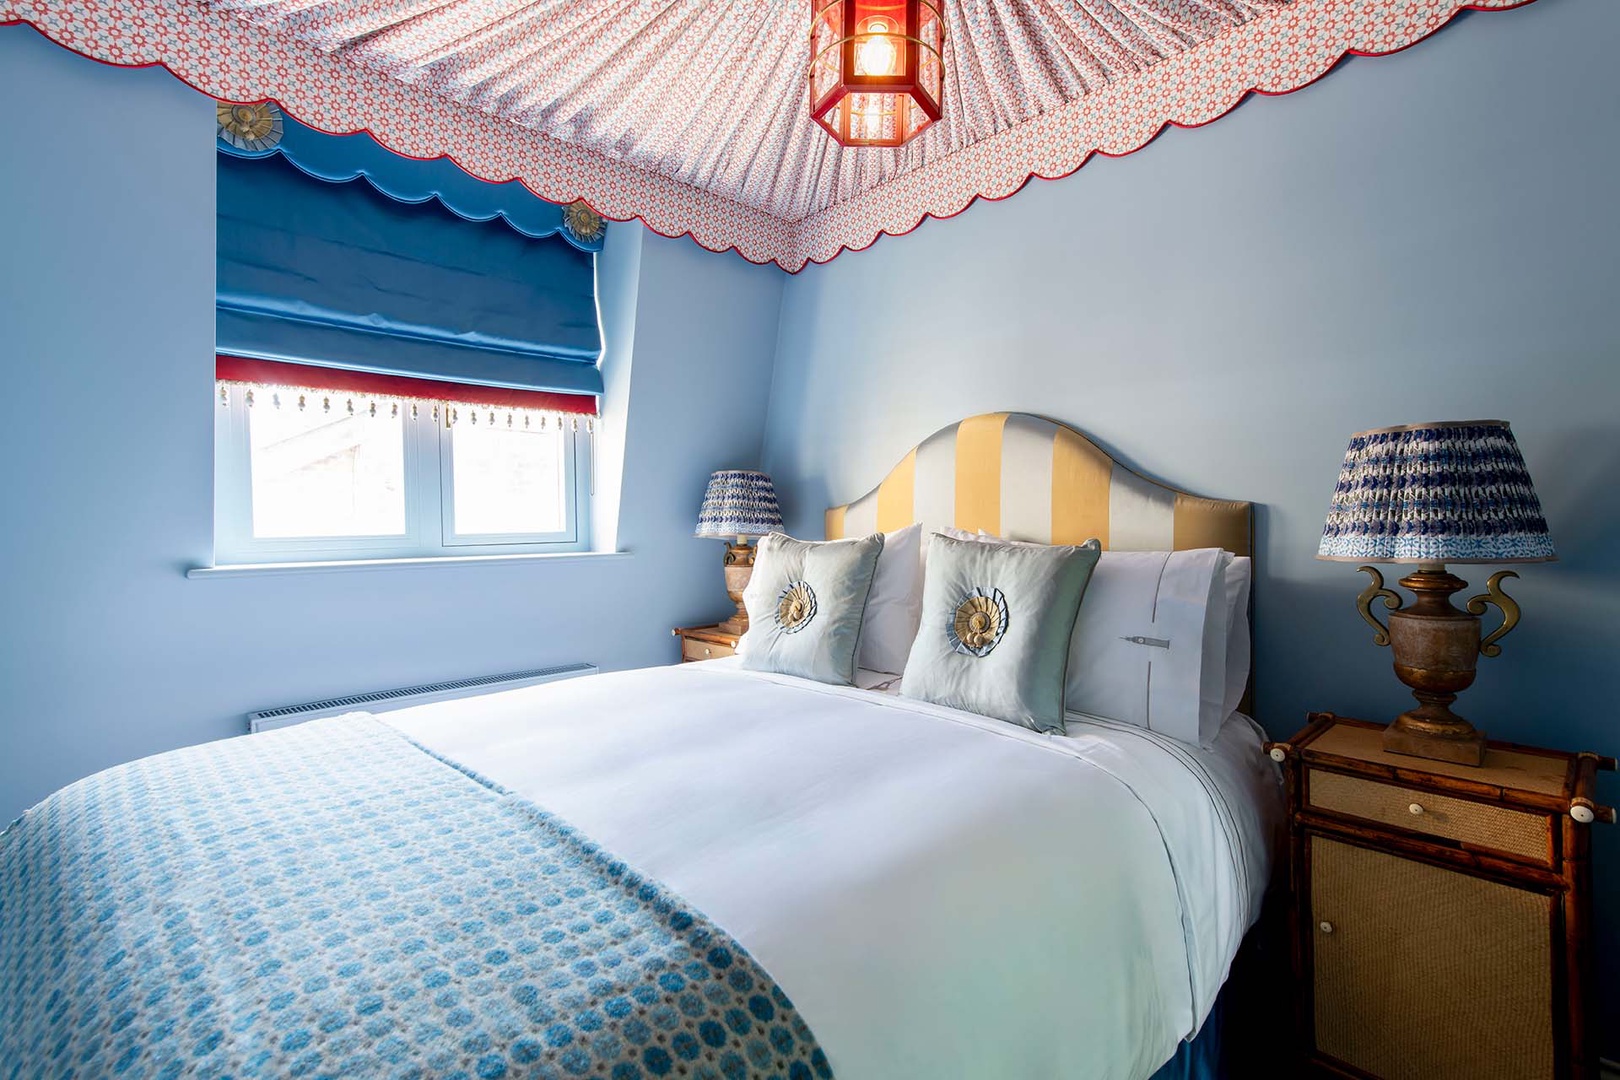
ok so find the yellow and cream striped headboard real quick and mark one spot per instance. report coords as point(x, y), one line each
point(1028, 478)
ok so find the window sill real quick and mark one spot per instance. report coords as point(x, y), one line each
point(230, 570)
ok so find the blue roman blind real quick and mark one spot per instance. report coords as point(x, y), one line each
point(341, 276)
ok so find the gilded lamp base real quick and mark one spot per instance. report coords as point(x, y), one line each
point(1436, 649)
point(739, 569)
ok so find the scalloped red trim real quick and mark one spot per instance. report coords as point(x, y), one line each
point(799, 247)
point(1161, 128)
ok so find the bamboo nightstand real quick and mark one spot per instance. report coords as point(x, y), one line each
point(705, 643)
point(1441, 913)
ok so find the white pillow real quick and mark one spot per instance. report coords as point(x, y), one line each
point(1150, 645)
point(1239, 643)
point(894, 607)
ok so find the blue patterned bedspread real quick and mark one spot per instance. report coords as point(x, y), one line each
point(331, 900)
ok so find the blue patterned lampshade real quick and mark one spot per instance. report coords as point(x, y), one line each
point(739, 502)
point(1453, 492)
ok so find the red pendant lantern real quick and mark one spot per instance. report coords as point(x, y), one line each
point(877, 69)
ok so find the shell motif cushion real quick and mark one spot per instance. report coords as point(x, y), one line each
point(805, 604)
point(995, 630)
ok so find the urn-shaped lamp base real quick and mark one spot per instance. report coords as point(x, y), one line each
point(1459, 742)
point(739, 568)
point(1436, 649)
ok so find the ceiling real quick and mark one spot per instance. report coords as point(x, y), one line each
point(692, 115)
point(713, 94)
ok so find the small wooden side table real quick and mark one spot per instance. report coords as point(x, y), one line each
point(705, 643)
point(1441, 913)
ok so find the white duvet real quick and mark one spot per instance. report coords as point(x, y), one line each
point(941, 895)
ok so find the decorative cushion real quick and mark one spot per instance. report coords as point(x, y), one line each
point(996, 623)
point(805, 604)
point(1162, 640)
point(895, 605)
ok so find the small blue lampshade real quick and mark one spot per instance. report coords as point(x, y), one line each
point(739, 502)
point(1454, 492)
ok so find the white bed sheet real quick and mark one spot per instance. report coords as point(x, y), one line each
point(940, 894)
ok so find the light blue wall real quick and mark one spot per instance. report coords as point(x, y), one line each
point(107, 652)
point(1424, 236)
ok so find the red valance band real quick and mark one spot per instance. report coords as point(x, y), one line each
point(280, 373)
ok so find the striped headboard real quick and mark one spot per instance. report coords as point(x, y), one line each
point(1029, 478)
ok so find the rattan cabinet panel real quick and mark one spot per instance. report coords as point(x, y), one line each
point(1426, 974)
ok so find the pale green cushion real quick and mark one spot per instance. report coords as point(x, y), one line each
point(805, 604)
point(995, 631)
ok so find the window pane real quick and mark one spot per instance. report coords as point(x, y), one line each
point(508, 481)
point(318, 473)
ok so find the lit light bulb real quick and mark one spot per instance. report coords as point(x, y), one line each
point(876, 54)
point(869, 113)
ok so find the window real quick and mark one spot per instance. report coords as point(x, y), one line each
point(315, 474)
point(396, 378)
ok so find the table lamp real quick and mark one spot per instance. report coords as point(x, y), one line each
point(1432, 494)
point(739, 503)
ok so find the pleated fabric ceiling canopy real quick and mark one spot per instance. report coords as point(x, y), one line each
point(694, 115)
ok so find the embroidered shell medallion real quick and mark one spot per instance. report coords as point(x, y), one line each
point(979, 623)
point(795, 607)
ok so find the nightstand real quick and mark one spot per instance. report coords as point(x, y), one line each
point(1441, 913)
point(705, 643)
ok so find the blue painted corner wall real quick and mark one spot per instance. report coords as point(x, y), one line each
point(1425, 236)
point(107, 652)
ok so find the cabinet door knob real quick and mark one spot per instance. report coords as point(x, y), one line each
point(1415, 809)
point(706, 651)
point(1325, 926)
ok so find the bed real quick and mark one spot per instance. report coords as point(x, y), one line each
point(696, 870)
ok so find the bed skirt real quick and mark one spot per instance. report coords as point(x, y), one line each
point(1238, 1038)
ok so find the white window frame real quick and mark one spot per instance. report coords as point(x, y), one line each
point(429, 507)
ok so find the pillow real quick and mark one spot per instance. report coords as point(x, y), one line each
point(1135, 600)
point(981, 536)
point(805, 602)
point(1239, 646)
point(895, 605)
point(1150, 644)
point(996, 623)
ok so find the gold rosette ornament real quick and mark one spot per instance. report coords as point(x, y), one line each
point(252, 126)
point(583, 223)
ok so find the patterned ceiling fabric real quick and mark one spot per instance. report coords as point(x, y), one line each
point(713, 95)
point(692, 115)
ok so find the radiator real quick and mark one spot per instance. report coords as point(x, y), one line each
point(405, 696)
